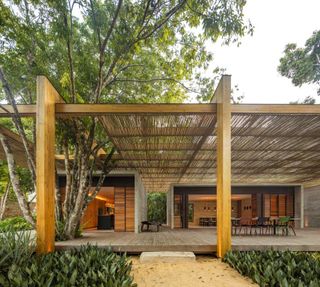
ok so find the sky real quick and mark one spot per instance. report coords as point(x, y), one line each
point(253, 65)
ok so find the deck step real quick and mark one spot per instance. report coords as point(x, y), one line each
point(166, 257)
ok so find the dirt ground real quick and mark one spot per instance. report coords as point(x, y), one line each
point(205, 271)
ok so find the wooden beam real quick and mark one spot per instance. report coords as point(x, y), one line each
point(47, 96)
point(275, 109)
point(311, 183)
point(24, 110)
point(104, 109)
point(223, 97)
point(78, 110)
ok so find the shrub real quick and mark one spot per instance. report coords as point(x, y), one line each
point(275, 268)
point(60, 234)
point(16, 223)
point(157, 207)
point(16, 249)
point(88, 266)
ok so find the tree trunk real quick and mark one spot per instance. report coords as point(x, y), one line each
point(3, 200)
point(23, 203)
point(19, 126)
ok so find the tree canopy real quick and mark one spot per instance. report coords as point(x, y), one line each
point(302, 65)
point(116, 51)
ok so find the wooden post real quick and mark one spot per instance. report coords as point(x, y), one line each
point(47, 96)
point(223, 98)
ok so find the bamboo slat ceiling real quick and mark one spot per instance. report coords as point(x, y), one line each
point(166, 148)
point(174, 148)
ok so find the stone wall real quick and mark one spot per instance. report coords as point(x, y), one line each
point(13, 209)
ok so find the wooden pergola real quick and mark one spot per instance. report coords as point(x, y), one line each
point(185, 143)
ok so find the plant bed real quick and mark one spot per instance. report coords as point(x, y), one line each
point(276, 268)
point(87, 266)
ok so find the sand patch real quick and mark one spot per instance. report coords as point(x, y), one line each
point(205, 271)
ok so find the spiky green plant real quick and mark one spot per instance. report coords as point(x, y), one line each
point(276, 268)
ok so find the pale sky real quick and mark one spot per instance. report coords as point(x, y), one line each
point(253, 65)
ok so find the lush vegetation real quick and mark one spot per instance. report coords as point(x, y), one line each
point(275, 268)
point(301, 64)
point(157, 207)
point(105, 52)
point(89, 266)
point(17, 223)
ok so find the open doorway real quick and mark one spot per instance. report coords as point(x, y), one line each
point(200, 210)
point(100, 212)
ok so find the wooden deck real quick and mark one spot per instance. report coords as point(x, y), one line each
point(195, 240)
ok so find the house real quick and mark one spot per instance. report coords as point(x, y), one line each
point(215, 161)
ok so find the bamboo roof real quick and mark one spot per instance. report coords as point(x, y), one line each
point(176, 148)
point(271, 144)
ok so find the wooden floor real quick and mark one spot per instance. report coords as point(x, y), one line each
point(195, 240)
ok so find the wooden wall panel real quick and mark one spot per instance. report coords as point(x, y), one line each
point(290, 205)
point(274, 205)
point(239, 209)
point(254, 205)
point(266, 199)
point(129, 209)
point(119, 209)
point(282, 205)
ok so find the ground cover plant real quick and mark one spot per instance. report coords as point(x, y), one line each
point(17, 223)
point(88, 266)
point(276, 268)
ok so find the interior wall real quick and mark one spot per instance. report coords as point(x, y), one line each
point(246, 209)
point(90, 217)
point(202, 209)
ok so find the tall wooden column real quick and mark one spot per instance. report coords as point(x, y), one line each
point(47, 96)
point(223, 98)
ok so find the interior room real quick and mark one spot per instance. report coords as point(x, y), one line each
point(202, 209)
point(100, 212)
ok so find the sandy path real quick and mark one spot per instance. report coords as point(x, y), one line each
point(205, 271)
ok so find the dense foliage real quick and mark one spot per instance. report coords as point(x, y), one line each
point(106, 52)
point(276, 268)
point(16, 223)
point(302, 65)
point(88, 266)
point(157, 207)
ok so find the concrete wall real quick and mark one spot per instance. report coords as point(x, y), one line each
point(312, 206)
point(140, 202)
point(298, 206)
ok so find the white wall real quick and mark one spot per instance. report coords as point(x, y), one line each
point(140, 202)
